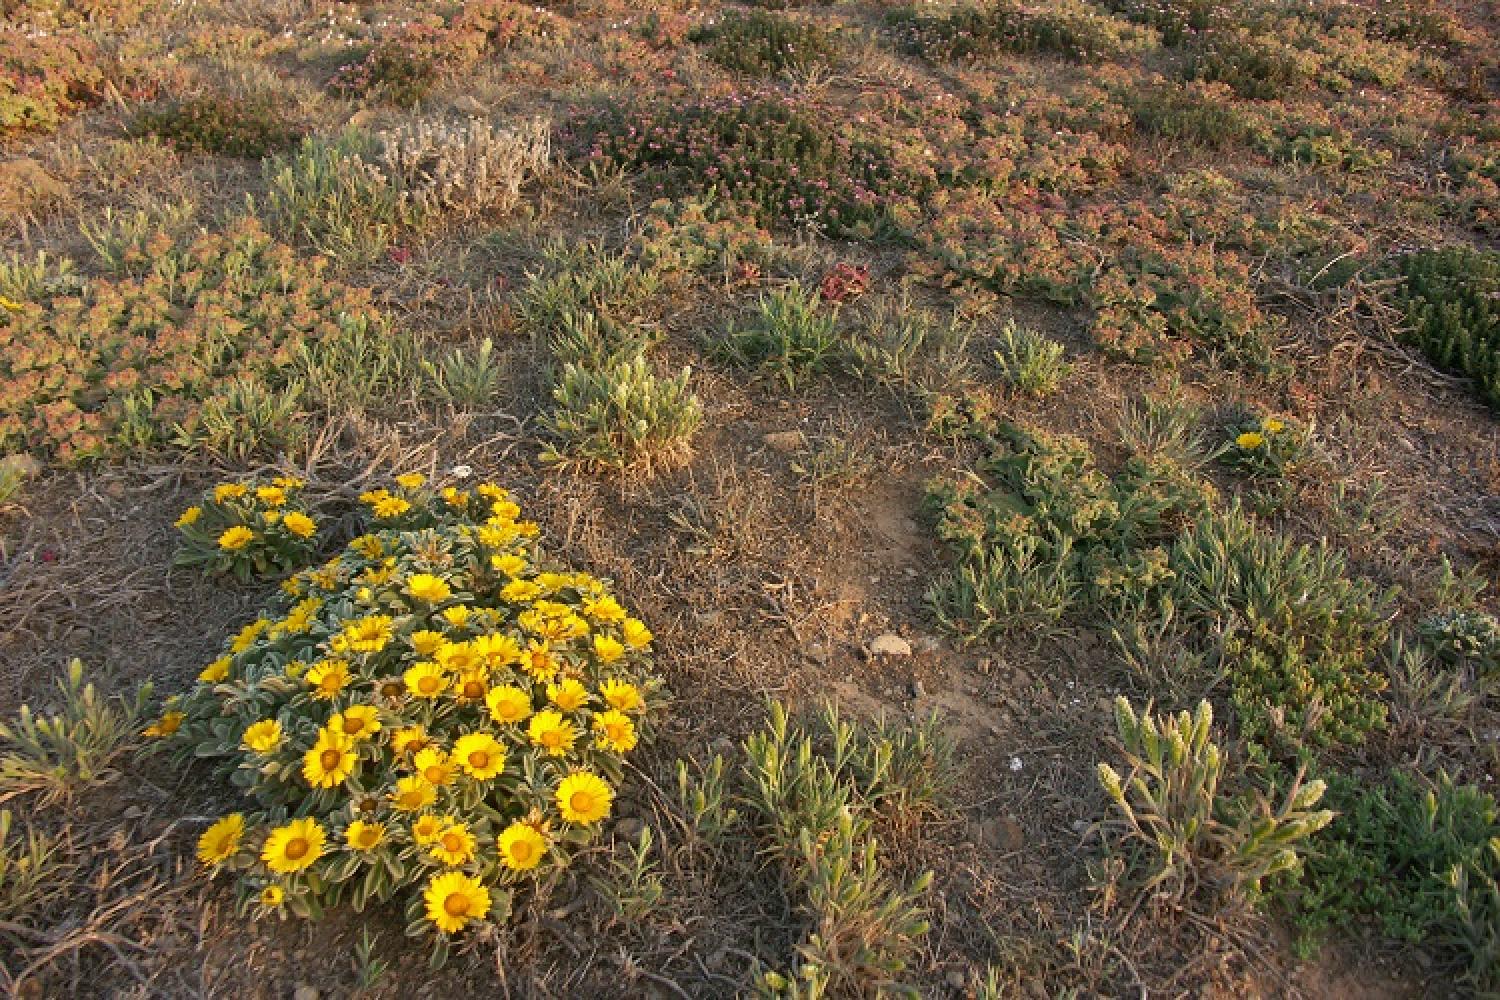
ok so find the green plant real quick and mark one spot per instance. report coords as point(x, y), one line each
point(621, 414)
point(44, 77)
point(1416, 857)
point(403, 67)
point(246, 418)
point(248, 530)
point(700, 235)
point(230, 125)
point(1467, 640)
point(904, 347)
point(432, 716)
point(759, 43)
point(30, 867)
point(1449, 298)
point(633, 887)
point(1204, 115)
point(1256, 65)
point(705, 798)
point(1192, 839)
point(792, 333)
point(369, 969)
point(582, 280)
point(463, 169)
point(1076, 31)
point(1163, 426)
point(73, 748)
point(1266, 446)
point(1030, 361)
point(331, 195)
point(467, 378)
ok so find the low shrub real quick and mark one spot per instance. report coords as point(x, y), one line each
point(436, 716)
point(248, 530)
point(1202, 115)
point(148, 353)
point(760, 43)
point(1256, 65)
point(792, 333)
point(1073, 30)
point(463, 169)
point(700, 236)
point(776, 158)
point(906, 348)
point(1465, 640)
point(1267, 446)
point(330, 194)
point(1451, 298)
point(620, 414)
point(45, 77)
point(1030, 361)
point(251, 127)
point(404, 67)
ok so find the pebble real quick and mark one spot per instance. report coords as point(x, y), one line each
point(917, 690)
point(956, 978)
point(305, 992)
point(784, 442)
point(817, 652)
point(889, 644)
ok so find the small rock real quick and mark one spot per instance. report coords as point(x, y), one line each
point(927, 644)
point(917, 690)
point(784, 442)
point(468, 104)
point(1011, 836)
point(629, 828)
point(955, 978)
point(817, 652)
point(305, 992)
point(889, 644)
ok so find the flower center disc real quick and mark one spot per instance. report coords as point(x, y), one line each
point(330, 759)
point(479, 760)
point(296, 848)
point(581, 802)
point(456, 905)
point(452, 842)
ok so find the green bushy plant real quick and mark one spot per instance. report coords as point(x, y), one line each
point(792, 333)
point(621, 413)
point(1468, 640)
point(760, 43)
point(329, 194)
point(248, 529)
point(1452, 312)
point(904, 347)
point(1267, 446)
point(1076, 31)
point(45, 77)
point(1030, 361)
point(251, 127)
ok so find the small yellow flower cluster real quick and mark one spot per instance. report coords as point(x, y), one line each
point(248, 529)
point(1266, 447)
point(433, 714)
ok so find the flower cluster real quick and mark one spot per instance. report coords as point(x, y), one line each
point(432, 715)
point(44, 77)
point(1267, 446)
point(248, 529)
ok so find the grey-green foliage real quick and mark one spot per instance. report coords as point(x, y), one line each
point(1029, 361)
point(466, 376)
point(621, 414)
point(329, 194)
point(904, 347)
point(792, 334)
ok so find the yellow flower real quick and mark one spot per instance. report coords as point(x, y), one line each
point(479, 755)
point(604, 609)
point(522, 846)
point(247, 635)
point(411, 481)
point(189, 516)
point(635, 633)
point(608, 649)
point(454, 846)
point(508, 704)
point(491, 491)
point(584, 798)
point(520, 591)
point(236, 538)
point(168, 724)
point(357, 722)
point(271, 496)
point(472, 685)
point(272, 896)
point(425, 679)
point(215, 671)
point(434, 766)
point(409, 739)
point(550, 731)
point(458, 615)
point(362, 836)
point(539, 662)
point(288, 482)
point(427, 827)
point(10, 305)
point(1272, 425)
point(458, 656)
point(429, 588)
point(569, 696)
point(294, 847)
point(327, 678)
point(426, 642)
point(330, 761)
point(510, 564)
point(299, 524)
point(614, 731)
point(229, 491)
point(220, 841)
point(370, 634)
point(621, 695)
point(496, 649)
point(389, 507)
point(454, 899)
point(1250, 440)
point(273, 516)
point(263, 736)
point(369, 546)
point(412, 794)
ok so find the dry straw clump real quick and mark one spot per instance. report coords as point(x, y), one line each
point(464, 168)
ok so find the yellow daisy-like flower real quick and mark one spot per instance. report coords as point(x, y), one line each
point(408, 739)
point(357, 722)
point(229, 491)
point(168, 724)
point(472, 685)
point(236, 538)
point(370, 634)
point(539, 662)
point(246, 636)
point(458, 615)
point(263, 736)
point(458, 656)
point(425, 828)
point(412, 794)
point(454, 900)
point(10, 305)
point(330, 761)
point(429, 588)
point(219, 842)
point(550, 731)
point(520, 591)
point(272, 896)
point(491, 491)
point(369, 546)
point(584, 798)
point(434, 766)
point(604, 609)
point(480, 755)
point(189, 516)
point(215, 671)
point(426, 642)
point(635, 633)
point(608, 649)
point(425, 679)
point(454, 846)
point(327, 678)
point(510, 564)
point(621, 695)
point(569, 696)
point(497, 650)
point(614, 731)
point(1271, 425)
point(294, 847)
point(1250, 440)
point(522, 846)
point(411, 480)
point(288, 482)
point(299, 524)
point(508, 704)
point(389, 507)
point(273, 517)
point(362, 836)
point(271, 496)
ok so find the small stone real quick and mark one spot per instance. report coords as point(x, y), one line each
point(817, 653)
point(927, 644)
point(784, 442)
point(305, 992)
point(955, 978)
point(468, 104)
point(889, 644)
point(629, 828)
point(1011, 835)
point(917, 690)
